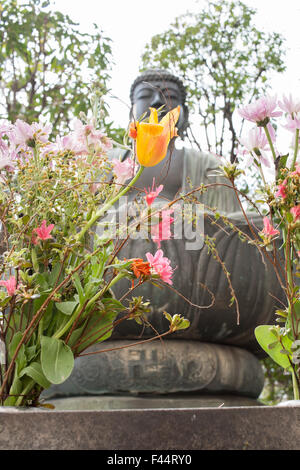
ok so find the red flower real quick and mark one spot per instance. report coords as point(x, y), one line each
point(10, 284)
point(152, 193)
point(161, 266)
point(281, 192)
point(268, 229)
point(43, 232)
point(295, 211)
point(140, 267)
point(132, 130)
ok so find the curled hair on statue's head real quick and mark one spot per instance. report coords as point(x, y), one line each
point(160, 75)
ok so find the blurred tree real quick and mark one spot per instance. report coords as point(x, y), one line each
point(224, 62)
point(278, 386)
point(47, 65)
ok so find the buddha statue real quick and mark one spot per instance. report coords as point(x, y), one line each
point(218, 352)
point(182, 170)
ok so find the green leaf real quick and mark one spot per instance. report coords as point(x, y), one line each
point(168, 317)
point(34, 260)
point(76, 334)
point(42, 281)
point(281, 161)
point(297, 309)
point(66, 307)
point(48, 311)
point(183, 324)
point(21, 357)
point(99, 328)
point(15, 391)
point(31, 352)
point(35, 372)
point(53, 275)
point(266, 338)
point(79, 288)
point(57, 359)
point(111, 303)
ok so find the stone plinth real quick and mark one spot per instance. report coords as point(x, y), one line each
point(236, 428)
point(142, 402)
point(168, 367)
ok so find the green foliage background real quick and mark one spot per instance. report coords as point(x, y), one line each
point(47, 65)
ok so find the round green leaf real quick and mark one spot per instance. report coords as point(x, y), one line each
point(57, 359)
point(265, 338)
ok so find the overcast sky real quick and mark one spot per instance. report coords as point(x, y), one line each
point(131, 24)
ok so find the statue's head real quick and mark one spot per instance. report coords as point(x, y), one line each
point(155, 88)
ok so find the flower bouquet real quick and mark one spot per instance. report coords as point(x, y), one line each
point(57, 272)
point(279, 208)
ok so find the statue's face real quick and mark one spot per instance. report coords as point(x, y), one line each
point(156, 93)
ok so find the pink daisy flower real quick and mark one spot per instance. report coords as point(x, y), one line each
point(6, 163)
point(261, 110)
point(124, 171)
point(257, 142)
point(88, 138)
point(292, 123)
point(289, 105)
point(23, 132)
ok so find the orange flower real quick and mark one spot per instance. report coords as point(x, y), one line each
point(153, 137)
point(140, 267)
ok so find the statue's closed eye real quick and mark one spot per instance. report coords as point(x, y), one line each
point(144, 95)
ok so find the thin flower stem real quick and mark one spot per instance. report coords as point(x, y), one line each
point(270, 142)
point(295, 386)
point(128, 345)
point(295, 150)
point(289, 281)
point(262, 175)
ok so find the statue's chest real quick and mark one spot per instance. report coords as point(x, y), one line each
point(169, 173)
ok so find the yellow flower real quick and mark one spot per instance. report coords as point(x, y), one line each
point(153, 137)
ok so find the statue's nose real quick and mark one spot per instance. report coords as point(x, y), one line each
point(157, 100)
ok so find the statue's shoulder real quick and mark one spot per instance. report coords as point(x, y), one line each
point(203, 158)
point(199, 168)
point(197, 164)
